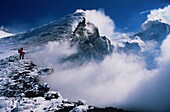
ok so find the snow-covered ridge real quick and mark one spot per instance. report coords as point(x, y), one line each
point(20, 77)
point(4, 34)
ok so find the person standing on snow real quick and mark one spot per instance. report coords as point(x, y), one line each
point(21, 52)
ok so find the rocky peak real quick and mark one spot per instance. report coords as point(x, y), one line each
point(89, 43)
point(155, 31)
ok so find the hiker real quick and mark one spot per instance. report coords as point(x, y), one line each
point(21, 52)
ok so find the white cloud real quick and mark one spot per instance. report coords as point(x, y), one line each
point(161, 14)
point(104, 23)
point(144, 12)
point(165, 55)
point(153, 93)
point(102, 84)
point(52, 53)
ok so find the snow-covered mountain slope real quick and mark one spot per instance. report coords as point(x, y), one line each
point(59, 30)
point(5, 33)
point(85, 37)
point(73, 29)
point(20, 77)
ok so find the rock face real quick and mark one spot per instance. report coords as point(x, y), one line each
point(89, 43)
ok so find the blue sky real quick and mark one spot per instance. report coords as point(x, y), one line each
point(21, 15)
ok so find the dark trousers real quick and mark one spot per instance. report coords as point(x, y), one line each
point(21, 56)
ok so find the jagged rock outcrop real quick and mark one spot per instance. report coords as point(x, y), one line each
point(89, 43)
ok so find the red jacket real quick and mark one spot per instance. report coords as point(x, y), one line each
point(21, 51)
